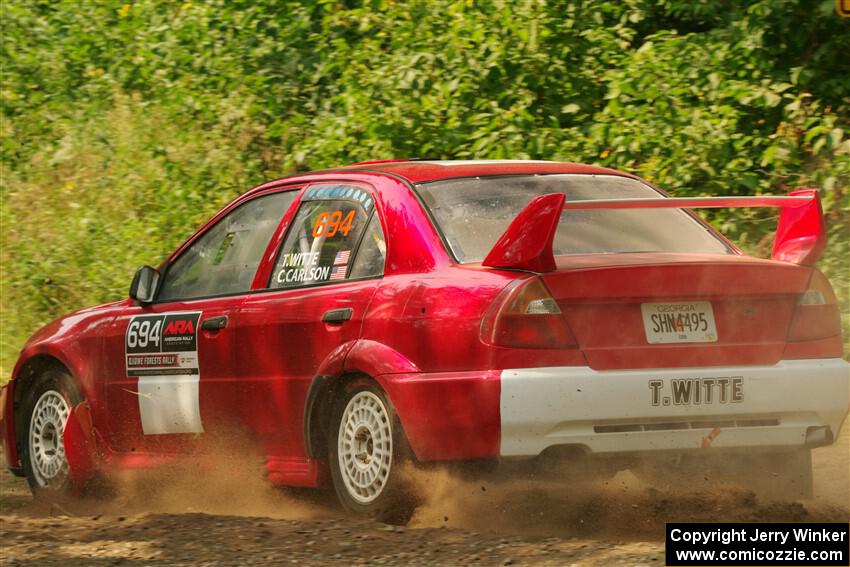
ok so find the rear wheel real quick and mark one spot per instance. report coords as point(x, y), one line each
point(46, 408)
point(365, 449)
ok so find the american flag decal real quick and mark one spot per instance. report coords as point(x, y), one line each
point(342, 257)
point(338, 273)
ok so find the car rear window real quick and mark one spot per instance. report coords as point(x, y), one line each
point(473, 213)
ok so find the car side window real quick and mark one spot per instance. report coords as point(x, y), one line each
point(372, 252)
point(224, 259)
point(323, 237)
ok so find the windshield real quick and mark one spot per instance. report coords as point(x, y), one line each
point(474, 212)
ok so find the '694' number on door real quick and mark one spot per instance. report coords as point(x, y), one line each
point(144, 332)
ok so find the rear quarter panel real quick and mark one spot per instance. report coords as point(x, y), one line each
point(434, 319)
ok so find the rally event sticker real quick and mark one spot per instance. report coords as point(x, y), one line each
point(162, 352)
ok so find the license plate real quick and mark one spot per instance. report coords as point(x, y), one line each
point(685, 322)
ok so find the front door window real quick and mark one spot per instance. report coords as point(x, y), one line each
point(224, 259)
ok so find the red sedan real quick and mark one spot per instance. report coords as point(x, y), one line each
point(444, 311)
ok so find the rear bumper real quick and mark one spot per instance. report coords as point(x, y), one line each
point(637, 410)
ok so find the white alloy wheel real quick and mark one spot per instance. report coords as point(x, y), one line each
point(46, 448)
point(365, 447)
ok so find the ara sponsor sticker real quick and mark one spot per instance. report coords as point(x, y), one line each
point(173, 332)
point(162, 352)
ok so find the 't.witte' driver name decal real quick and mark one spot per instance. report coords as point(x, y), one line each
point(162, 351)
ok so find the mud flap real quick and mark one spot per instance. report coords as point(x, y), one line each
point(80, 447)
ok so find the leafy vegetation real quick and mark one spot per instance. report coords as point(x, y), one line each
point(125, 125)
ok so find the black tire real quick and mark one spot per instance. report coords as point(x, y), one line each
point(388, 498)
point(48, 388)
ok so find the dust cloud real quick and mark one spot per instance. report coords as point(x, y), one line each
point(230, 480)
point(626, 507)
point(622, 507)
point(227, 478)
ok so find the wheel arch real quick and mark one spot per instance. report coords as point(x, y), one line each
point(65, 355)
point(317, 413)
point(355, 359)
point(26, 371)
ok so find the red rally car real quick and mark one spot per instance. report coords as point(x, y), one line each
point(444, 311)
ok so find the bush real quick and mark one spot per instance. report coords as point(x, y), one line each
point(126, 124)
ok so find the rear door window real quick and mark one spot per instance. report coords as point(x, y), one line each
point(372, 252)
point(324, 236)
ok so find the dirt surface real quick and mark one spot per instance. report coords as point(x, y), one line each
point(226, 515)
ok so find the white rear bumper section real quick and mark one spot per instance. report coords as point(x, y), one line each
point(655, 410)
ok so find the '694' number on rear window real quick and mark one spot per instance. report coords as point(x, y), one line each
point(328, 224)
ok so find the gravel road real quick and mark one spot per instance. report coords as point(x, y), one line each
point(224, 516)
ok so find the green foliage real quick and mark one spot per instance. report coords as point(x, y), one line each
point(126, 125)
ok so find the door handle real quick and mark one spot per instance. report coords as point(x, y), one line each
point(337, 316)
point(214, 323)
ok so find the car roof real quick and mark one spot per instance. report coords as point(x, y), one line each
point(424, 171)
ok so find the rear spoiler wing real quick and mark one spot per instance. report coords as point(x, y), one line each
point(527, 243)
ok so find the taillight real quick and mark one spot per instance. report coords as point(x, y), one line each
point(525, 315)
point(816, 315)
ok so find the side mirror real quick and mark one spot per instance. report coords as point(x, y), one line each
point(143, 288)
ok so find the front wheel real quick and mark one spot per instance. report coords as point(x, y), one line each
point(46, 408)
point(365, 450)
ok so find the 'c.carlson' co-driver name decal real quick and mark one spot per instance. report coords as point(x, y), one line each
point(162, 351)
